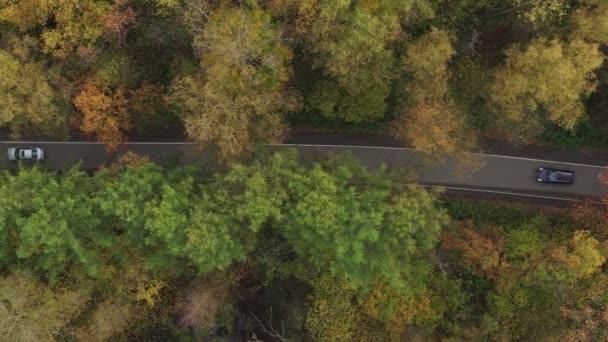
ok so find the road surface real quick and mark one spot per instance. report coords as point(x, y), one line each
point(506, 175)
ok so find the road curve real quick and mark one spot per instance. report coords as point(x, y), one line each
point(500, 174)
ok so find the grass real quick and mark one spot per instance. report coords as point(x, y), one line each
point(507, 214)
point(318, 121)
point(582, 135)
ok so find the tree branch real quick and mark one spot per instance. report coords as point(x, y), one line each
point(270, 330)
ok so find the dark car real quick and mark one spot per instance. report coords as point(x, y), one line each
point(548, 175)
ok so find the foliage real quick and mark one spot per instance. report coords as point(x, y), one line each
point(361, 234)
point(29, 102)
point(349, 40)
point(52, 222)
point(335, 316)
point(237, 97)
point(111, 317)
point(31, 311)
point(434, 127)
point(427, 119)
point(540, 11)
point(375, 260)
point(482, 251)
point(589, 21)
point(425, 63)
point(547, 79)
point(104, 114)
point(78, 23)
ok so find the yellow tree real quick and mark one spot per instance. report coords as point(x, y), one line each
point(590, 21)
point(425, 64)
point(76, 22)
point(26, 13)
point(544, 81)
point(28, 103)
point(580, 257)
point(427, 119)
point(32, 311)
point(434, 127)
point(239, 95)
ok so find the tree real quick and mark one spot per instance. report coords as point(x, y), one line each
point(111, 316)
point(397, 311)
point(425, 64)
point(29, 102)
point(335, 316)
point(349, 40)
point(427, 119)
point(589, 216)
point(482, 249)
point(435, 128)
point(26, 14)
point(171, 219)
point(585, 309)
point(580, 258)
point(362, 235)
point(104, 114)
point(531, 273)
point(52, 221)
point(590, 21)
point(78, 23)
point(235, 207)
point(542, 11)
point(240, 98)
point(545, 81)
point(118, 20)
point(31, 311)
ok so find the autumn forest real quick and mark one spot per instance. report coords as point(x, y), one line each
point(265, 247)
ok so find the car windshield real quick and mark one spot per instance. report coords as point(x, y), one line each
point(552, 175)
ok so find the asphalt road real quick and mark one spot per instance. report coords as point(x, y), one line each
point(506, 175)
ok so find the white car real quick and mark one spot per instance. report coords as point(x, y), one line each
point(26, 153)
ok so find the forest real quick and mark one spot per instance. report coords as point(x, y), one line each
point(274, 251)
point(267, 248)
point(439, 75)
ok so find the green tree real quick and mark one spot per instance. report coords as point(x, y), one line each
point(52, 221)
point(362, 235)
point(425, 63)
point(136, 212)
point(235, 207)
point(29, 102)
point(349, 40)
point(239, 95)
point(544, 81)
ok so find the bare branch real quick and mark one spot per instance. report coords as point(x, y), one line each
point(270, 330)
